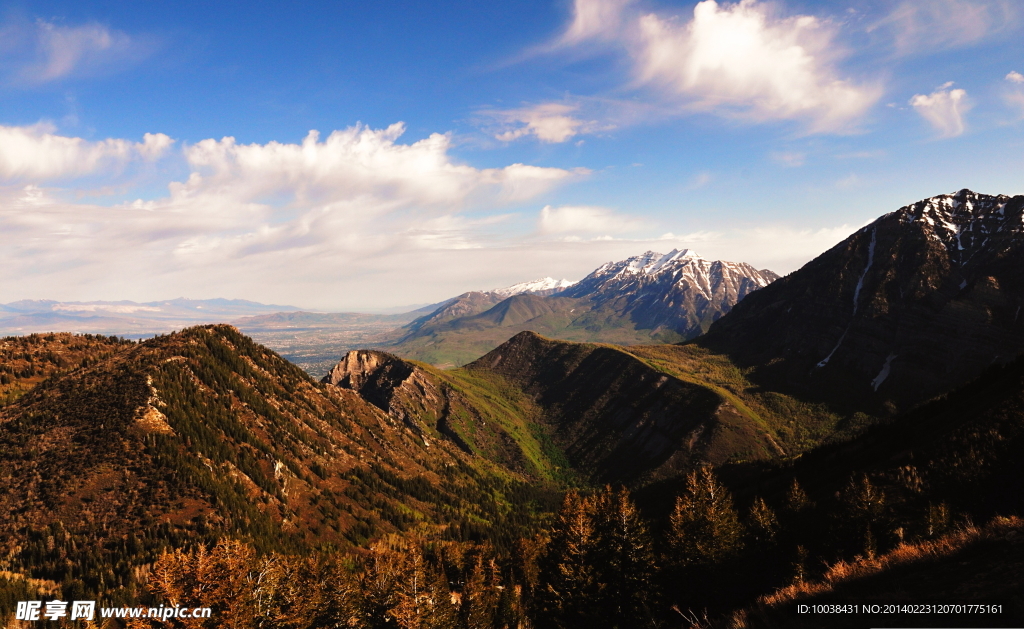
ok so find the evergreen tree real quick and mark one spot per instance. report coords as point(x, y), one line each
point(704, 528)
point(568, 582)
point(624, 561)
point(864, 511)
point(763, 525)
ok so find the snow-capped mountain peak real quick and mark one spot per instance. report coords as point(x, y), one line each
point(543, 285)
point(964, 222)
point(680, 288)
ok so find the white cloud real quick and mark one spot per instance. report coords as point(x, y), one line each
point(592, 19)
point(740, 59)
point(288, 218)
point(353, 163)
point(737, 60)
point(849, 181)
point(570, 219)
point(548, 122)
point(1013, 94)
point(66, 48)
point(36, 153)
point(700, 180)
point(944, 109)
point(919, 26)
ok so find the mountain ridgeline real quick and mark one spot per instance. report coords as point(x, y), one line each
point(201, 434)
point(643, 299)
point(598, 413)
point(919, 301)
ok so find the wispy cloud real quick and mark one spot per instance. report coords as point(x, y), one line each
point(44, 51)
point(944, 109)
point(1013, 93)
point(789, 159)
point(548, 122)
point(921, 26)
point(594, 19)
point(576, 219)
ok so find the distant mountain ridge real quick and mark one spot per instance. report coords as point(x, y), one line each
point(911, 305)
point(125, 317)
point(651, 297)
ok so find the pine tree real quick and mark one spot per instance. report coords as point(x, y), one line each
point(704, 528)
point(763, 525)
point(624, 561)
point(480, 596)
point(568, 583)
point(864, 508)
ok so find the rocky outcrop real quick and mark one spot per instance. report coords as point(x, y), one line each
point(391, 384)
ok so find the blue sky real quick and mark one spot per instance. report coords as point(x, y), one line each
point(154, 150)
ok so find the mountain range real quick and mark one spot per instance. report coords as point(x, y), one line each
point(124, 318)
point(861, 413)
point(652, 297)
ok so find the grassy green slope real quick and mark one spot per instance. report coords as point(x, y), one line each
point(501, 423)
point(616, 417)
point(795, 424)
point(459, 341)
point(622, 413)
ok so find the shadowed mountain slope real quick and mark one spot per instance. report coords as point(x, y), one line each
point(917, 302)
point(603, 413)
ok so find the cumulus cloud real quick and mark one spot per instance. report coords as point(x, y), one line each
point(738, 60)
point(1015, 77)
point(919, 26)
point(357, 162)
point(944, 109)
point(37, 153)
point(569, 219)
point(548, 122)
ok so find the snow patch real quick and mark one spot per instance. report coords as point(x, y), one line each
point(884, 373)
point(860, 282)
point(545, 283)
point(825, 360)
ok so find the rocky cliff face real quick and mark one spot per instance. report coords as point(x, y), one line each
point(919, 301)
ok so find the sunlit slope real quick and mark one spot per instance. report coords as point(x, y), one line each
point(204, 433)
